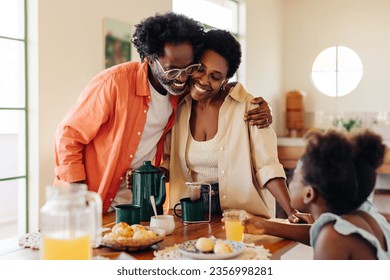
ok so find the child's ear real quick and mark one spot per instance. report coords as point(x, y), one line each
point(309, 195)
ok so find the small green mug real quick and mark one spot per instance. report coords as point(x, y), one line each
point(191, 210)
point(127, 213)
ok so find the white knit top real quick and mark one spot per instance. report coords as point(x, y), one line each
point(201, 158)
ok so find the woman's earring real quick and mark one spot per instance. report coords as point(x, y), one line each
point(223, 84)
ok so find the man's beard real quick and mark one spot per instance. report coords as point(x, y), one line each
point(173, 87)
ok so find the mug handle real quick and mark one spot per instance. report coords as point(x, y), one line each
point(174, 209)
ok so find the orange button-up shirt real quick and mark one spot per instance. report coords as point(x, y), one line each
point(98, 138)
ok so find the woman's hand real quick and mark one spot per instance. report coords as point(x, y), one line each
point(298, 217)
point(260, 116)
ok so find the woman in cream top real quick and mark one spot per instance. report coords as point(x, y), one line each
point(242, 158)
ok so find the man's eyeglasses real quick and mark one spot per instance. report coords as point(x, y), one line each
point(172, 74)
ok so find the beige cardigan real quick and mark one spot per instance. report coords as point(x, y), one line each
point(247, 157)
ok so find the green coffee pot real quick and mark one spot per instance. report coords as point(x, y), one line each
point(148, 180)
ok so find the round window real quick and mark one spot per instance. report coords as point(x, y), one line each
point(337, 71)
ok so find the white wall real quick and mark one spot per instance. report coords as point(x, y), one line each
point(310, 26)
point(264, 51)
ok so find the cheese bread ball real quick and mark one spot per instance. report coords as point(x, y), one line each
point(151, 234)
point(123, 229)
point(222, 247)
point(137, 227)
point(111, 235)
point(204, 244)
point(140, 234)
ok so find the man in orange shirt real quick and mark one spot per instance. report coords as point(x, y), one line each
point(121, 118)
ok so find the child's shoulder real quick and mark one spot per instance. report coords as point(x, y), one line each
point(330, 244)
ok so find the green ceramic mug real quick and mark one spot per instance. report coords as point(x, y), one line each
point(127, 213)
point(191, 210)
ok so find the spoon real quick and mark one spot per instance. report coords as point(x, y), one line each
point(153, 202)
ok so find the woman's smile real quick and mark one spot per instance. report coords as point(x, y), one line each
point(199, 88)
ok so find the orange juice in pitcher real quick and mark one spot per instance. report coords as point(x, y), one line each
point(77, 248)
point(70, 223)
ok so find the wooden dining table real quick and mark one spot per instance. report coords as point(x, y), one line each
point(9, 248)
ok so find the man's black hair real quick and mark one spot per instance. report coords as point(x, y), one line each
point(154, 32)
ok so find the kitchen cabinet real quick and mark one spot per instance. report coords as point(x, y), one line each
point(290, 150)
point(288, 156)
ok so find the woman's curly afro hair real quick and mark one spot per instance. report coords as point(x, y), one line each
point(226, 45)
point(154, 32)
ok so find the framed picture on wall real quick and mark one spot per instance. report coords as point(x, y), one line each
point(117, 36)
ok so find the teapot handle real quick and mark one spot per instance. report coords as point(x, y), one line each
point(94, 200)
point(160, 199)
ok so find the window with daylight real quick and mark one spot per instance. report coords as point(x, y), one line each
point(13, 119)
point(337, 71)
point(204, 11)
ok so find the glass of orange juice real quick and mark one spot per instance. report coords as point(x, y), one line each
point(234, 224)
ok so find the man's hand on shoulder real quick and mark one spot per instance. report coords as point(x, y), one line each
point(260, 116)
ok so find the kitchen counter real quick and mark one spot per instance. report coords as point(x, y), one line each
point(291, 149)
point(291, 142)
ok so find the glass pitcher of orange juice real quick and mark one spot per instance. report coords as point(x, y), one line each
point(70, 223)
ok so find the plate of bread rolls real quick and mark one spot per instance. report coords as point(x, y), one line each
point(211, 249)
point(124, 237)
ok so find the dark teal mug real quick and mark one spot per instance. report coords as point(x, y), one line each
point(127, 213)
point(191, 210)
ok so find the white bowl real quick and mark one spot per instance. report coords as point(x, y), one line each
point(165, 222)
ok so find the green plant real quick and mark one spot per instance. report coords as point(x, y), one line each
point(348, 125)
